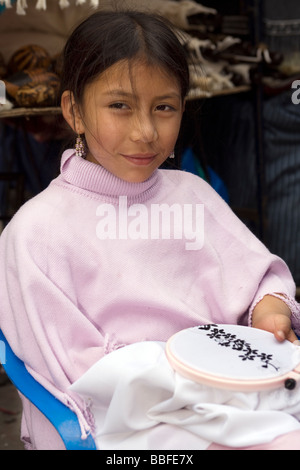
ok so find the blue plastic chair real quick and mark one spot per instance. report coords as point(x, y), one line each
point(62, 418)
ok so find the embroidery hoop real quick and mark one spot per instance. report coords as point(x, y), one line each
point(234, 357)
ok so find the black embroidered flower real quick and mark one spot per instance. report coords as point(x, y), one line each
point(231, 341)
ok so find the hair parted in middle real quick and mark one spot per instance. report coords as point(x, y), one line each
point(107, 37)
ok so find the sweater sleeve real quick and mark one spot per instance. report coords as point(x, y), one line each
point(42, 323)
point(245, 270)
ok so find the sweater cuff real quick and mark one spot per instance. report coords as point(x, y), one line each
point(293, 305)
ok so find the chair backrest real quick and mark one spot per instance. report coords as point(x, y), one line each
point(62, 418)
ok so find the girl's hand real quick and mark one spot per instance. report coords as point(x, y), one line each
point(272, 314)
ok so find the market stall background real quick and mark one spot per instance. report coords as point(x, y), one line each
point(251, 150)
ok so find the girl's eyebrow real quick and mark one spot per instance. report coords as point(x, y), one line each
point(127, 94)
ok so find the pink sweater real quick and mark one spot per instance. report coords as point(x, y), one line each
point(69, 294)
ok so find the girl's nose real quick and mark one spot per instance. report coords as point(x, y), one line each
point(144, 129)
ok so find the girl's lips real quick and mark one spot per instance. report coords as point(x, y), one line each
point(140, 159)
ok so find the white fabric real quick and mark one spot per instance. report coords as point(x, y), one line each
point(139, 402)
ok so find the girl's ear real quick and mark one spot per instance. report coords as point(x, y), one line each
point(71, 112)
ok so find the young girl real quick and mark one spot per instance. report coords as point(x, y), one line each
point(116, 251)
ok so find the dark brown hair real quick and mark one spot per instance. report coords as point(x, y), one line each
point(107, 37)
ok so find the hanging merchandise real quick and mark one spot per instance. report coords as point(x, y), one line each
point(22, 5)
point(31, 79)
point(219, 63)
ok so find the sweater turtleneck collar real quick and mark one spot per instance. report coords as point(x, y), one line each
point(93, 177)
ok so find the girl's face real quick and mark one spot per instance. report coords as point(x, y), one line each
point(131, 118)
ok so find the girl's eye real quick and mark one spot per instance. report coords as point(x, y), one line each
point(164, 107)
point(118, 106)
